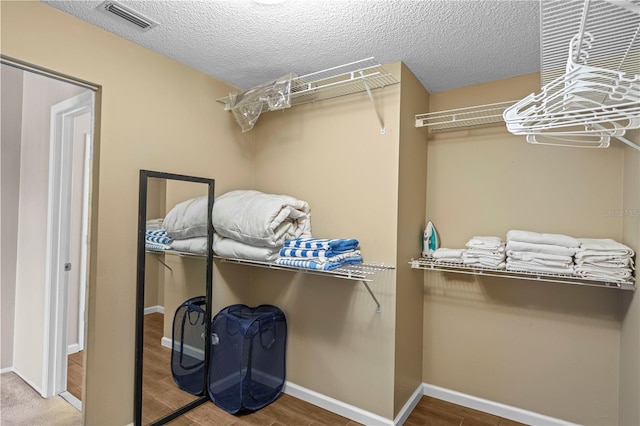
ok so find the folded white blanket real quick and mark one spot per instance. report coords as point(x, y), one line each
point(545, 262)
point(486, 263)
point(608, 263)
point(444, 252)
point(617, 274)
point(604, 245)
point(593, 256)
point(187, 219)
point(226, 247)
point(540, 238)
point(448, 255)
point(516, 265)
point(259, 219)
point(486, 242)
point(528, 255)
point(196, 245)
point(484, 254)
point(540, 248)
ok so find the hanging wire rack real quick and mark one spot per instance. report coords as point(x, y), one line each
point(614, 24)
point(590, 93)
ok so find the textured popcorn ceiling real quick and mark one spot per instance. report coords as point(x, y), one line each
point(446, 43)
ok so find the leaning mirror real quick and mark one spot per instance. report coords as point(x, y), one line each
point(174, 289)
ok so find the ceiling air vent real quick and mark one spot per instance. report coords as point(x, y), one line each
point(128, 14)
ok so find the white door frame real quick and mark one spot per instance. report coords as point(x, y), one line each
point(84, 251)
point(54, 372)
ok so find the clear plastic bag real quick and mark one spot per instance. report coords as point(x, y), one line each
point(248, 105)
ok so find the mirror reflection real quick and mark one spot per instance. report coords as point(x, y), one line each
point(176, 279)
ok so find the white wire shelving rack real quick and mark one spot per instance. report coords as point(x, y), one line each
point(590, 68)
point(359, 76)
point(428, 264)
point(463, 118)
point(614, 25)
point(364, 272)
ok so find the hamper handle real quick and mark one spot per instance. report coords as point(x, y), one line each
point(269, 322)
point(187, 317)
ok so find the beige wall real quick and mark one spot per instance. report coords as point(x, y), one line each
point(412, 181)
point(144, 124)
point(630, 335)
point(548, 348)
point(11, 103)
point(332, 155)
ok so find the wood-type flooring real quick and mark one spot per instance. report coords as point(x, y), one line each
point(162, 396)
point(74, 374)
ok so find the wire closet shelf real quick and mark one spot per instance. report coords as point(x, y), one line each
point(364, 272)
point(460, 118)
point(431, 265)
point(354, 77)
point(333, 82)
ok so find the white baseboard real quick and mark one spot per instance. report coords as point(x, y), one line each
point(154, 309)
point(491, 407)
point(408, 407)
point(7, 370)
point(71, 399)
point(166, 342)
point(189, 350)
point(346, 410)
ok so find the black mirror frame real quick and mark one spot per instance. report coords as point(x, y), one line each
point(142, 214)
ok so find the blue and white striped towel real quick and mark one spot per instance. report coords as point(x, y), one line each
point(156, 246)
point(158, 236)
point(353, 256)
point(311, 254)
point(337, 245)
point(307, 264)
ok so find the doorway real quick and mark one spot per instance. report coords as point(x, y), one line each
point(47, 135)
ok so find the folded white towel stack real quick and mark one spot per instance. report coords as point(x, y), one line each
point(449, 255)
point(604, 259)
point(485, 251)
point(537, 252)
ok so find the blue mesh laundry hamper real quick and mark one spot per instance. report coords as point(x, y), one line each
point(187, 355)
point(247, 368)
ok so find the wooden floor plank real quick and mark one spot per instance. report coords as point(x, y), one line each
point(431, 411)
point(162, 396)
point(74, 379)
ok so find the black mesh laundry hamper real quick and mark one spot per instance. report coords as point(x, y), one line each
point(187, 355)
point(247, 368)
